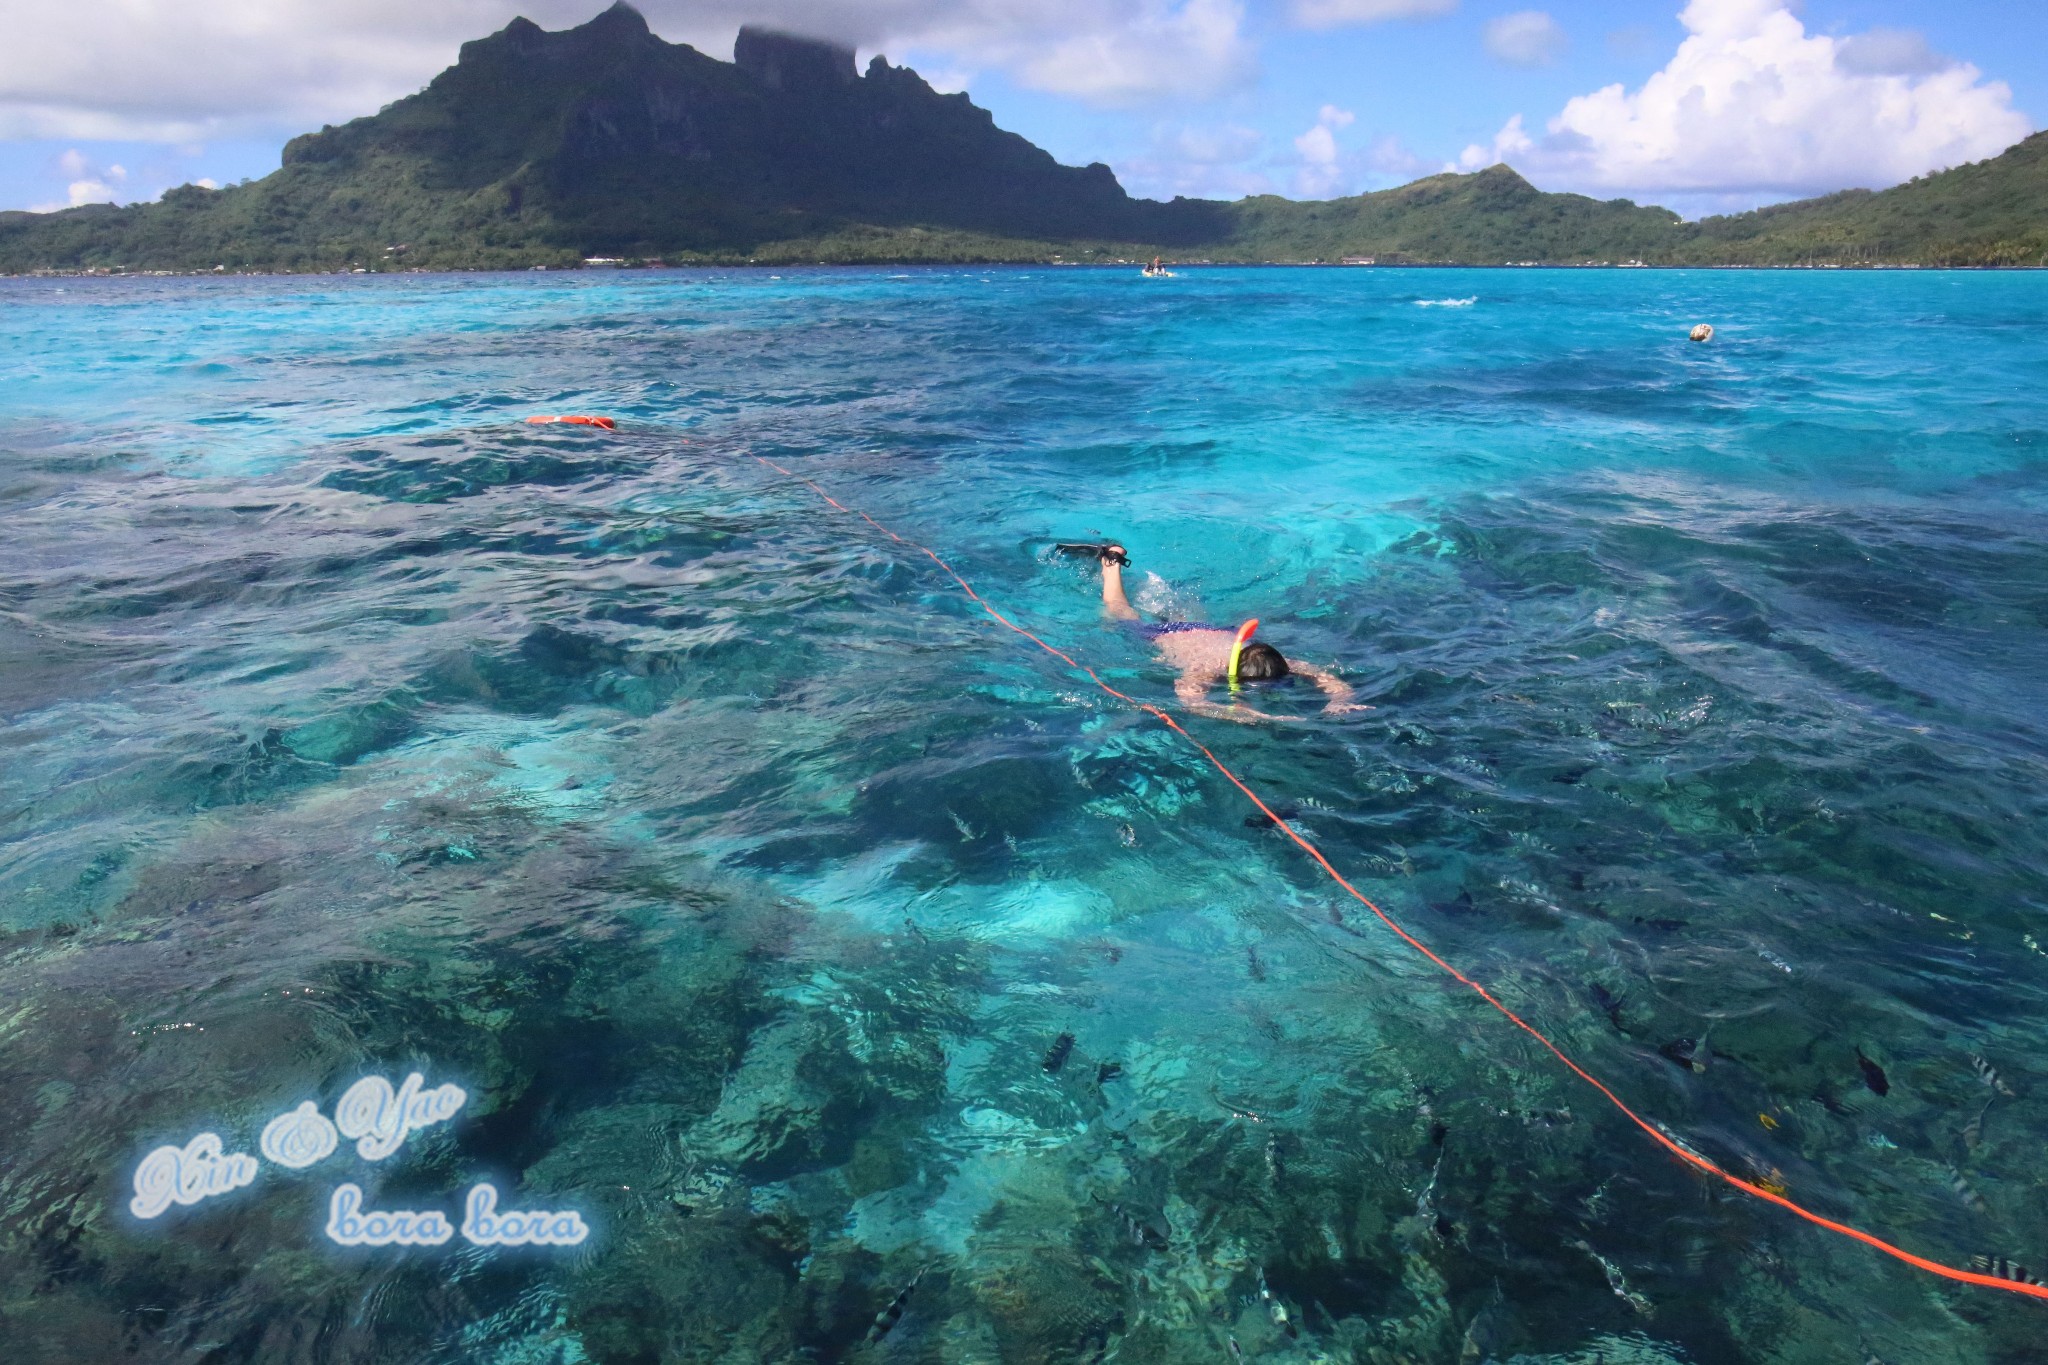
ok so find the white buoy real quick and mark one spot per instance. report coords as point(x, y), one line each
point(1703, 332)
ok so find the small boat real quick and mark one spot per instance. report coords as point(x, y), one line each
point(1156, 271)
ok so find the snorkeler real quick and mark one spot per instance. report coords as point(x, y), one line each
point(1206, 655)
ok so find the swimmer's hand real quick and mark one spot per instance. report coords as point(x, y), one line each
point(1335, 688)
point(1109, 553)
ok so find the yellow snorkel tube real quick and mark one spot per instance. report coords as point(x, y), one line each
point(1244, 635)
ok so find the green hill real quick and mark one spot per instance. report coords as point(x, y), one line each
point(541, 148)
point(1992, 212)
point(1493, 217)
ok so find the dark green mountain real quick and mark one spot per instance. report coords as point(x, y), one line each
point(604, 140)
point(542, 148)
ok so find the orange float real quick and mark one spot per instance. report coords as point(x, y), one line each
point(581, 421)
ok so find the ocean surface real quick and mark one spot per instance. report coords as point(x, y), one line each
point(866, 985)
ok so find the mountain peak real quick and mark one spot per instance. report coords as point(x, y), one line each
point(619, 26)
point(621, 19)
point(784, 61)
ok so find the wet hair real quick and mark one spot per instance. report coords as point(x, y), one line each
point(1260, 663)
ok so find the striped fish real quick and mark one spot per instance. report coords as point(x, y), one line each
point(2003, 1269)
point(890, 1316)
point(1973, 1131)
point(1056, 1055)
point(1150, 1231)
point(1971, 1199)
point(1990, 1077)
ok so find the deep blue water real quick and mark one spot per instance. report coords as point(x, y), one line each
point(749, 880)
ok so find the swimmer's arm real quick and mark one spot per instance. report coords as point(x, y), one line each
point(1334, 687)
point(1193, 691)
point(1114, 603)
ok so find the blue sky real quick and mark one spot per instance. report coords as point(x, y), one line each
point(1767, 100)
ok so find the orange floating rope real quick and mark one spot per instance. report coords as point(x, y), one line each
point(1654, 1132)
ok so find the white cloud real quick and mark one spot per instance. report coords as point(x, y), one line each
point(1202, 162)
point(1345, 13)
point(174, 71)
point(1510, 143)
point(1528, 37)
point(1890, 52)
point(1322, 169)
point(1752, 105)
point(1229, 162)
point(1318, 148)
point(1633, 43)
point(1392, 159)
point(1195, 49)
point(87, 183)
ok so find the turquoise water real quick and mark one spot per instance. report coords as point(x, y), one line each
point(747, 879)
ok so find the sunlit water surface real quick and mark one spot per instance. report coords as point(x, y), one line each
point(749, 879)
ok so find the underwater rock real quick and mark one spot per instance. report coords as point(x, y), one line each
point(790, 1105)
point(809, 1083)
point(686, 1289)
point(1047, 1306)
point(345, 736)
point(1492, 1334)
point(1609, 1003)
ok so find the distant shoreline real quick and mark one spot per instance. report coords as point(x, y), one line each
point(103, 273)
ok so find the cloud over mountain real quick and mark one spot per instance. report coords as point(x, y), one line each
point(174, 71)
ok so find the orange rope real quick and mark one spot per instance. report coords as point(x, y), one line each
point(1656, 1134)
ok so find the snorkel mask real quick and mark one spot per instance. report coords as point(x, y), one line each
point(1244, 635)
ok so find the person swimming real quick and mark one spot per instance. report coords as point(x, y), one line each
point(1207, 655)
